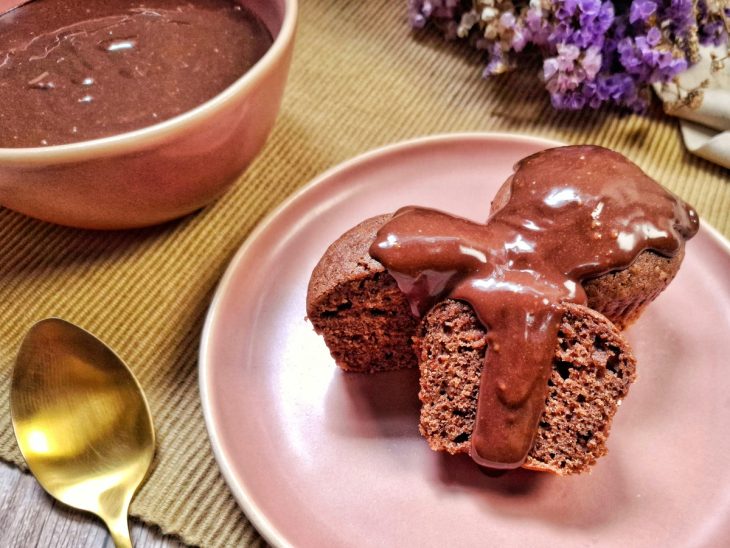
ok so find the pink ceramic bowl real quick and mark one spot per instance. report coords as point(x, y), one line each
point(163, 171)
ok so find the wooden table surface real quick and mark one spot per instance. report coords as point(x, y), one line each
point(29, 517)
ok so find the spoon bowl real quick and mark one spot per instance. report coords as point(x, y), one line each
point(81, 421)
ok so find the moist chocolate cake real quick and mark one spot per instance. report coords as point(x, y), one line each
point(355, 304)
point(515, 369)
point(592, 369)
point(623, 295)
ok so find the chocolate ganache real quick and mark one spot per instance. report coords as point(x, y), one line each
point(573, 213)
point(72, 70)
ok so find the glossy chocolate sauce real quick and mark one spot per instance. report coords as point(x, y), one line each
point(72, 70)
point(573, 213)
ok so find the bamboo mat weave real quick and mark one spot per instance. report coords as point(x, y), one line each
point(360, 79)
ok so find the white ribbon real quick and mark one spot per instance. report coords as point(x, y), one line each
point(706, 129)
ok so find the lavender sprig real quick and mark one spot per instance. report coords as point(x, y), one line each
point(594, 52)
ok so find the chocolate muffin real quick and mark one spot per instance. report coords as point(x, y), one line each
point(592, 370)
point(366, 322)
point(357, 307)
point(516, 368)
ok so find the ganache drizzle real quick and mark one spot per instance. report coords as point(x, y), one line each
point(573, 213)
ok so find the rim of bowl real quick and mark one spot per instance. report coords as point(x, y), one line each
point(130, 140)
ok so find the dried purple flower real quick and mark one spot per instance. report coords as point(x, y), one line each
point(594, 51)
point(642, 10)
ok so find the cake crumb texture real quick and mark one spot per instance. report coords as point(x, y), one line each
point(592, 371)
point(357, 307)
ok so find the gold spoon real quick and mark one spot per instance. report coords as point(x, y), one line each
point(81, 421)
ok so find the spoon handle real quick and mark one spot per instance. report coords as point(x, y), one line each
point(119, 530)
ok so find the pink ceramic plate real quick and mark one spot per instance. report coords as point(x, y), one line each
point(320, 458)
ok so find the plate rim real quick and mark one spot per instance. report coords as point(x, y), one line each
point(243, 497)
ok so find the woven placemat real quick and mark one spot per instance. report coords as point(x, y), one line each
point(360, 79)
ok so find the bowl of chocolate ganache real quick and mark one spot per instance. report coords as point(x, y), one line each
point(126, 113)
